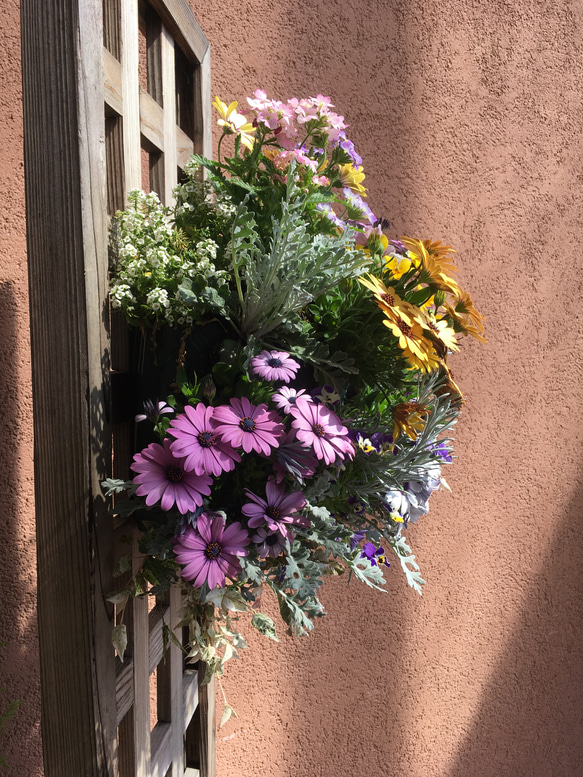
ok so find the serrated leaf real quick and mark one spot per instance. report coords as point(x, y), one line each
point(119, 639)
point(116, 486)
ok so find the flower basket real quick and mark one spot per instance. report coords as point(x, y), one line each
point(292, 384)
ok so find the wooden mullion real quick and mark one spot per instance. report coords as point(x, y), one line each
point(169, 96)
point(203, 137)
point(62, 52)
point(131, 94)
point(175, 658)
point(178, 19)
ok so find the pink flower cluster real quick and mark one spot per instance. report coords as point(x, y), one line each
point(289, 119)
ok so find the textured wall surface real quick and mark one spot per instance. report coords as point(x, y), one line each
point(468, 116)
point(19, 670)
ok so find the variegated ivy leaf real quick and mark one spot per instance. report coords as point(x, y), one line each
point(265, 626)
point(227, 712)
point(227, 599)
point(119, 639)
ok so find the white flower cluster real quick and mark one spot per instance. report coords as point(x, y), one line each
point(154, 259)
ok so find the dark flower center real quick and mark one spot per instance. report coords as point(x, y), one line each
point(275, 362)
point(213, 550)
point(318, 430)
point(273, 512)
point(292, 400)
point(405, 328)
point(433, 327)
point(247, 424)
point(388, 298)
point(272, 539)
point(206, 439)
point(174, 474)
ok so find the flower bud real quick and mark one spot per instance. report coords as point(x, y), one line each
point(208, 388)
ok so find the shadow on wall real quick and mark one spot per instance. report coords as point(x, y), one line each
point(19, 678)
point(530, 719)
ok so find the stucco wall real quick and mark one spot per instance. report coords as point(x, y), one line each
point(468, 116)
point(19, 670)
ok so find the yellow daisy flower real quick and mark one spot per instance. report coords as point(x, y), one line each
point(408, 418)
point(441, 331)
point(465, 317)
point(389, 301)
point(234, 123)
point(437, 267)
point(428, 363)
point(351, 177)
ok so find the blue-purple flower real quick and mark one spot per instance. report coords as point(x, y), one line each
point(376, 556)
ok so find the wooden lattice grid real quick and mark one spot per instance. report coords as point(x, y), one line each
point(78, 165)
point(159, 114)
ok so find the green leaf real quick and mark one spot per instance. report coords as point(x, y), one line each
point(265, 626)
point(119, 639)
point(227, 712)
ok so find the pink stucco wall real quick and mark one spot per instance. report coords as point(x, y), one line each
point(19, 669)
point(468, 116)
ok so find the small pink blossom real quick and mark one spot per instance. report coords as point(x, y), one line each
point(285, 397)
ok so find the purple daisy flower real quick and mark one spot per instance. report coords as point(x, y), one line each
point(163, 477)
point(153, 411)
point(318, 427)
point(285, 397)
point(275, 365)
point(198, 442)
point(245, 426)
point(209, 552)
point(269, 543)
point(277, 512)
point(292, 458)
point(376, 556)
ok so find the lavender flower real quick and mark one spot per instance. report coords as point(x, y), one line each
point(319, 428)
point(163, 477)
point(153, 411)
point(245, 426)
point(277, 511)
point(209, 552)
point(199, 443)
point(275, 365)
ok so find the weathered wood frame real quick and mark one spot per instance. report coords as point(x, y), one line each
point(63, 64)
